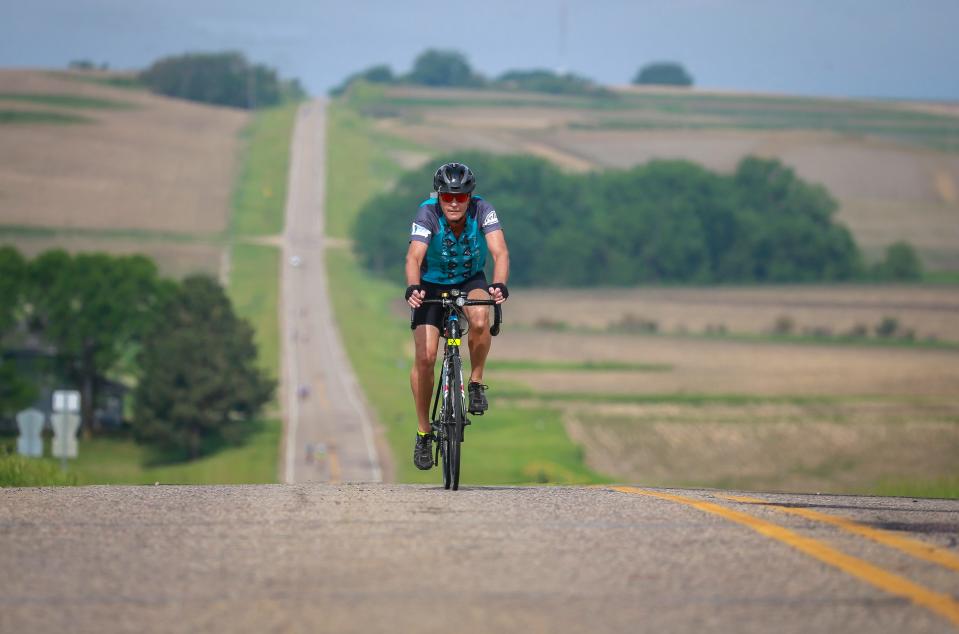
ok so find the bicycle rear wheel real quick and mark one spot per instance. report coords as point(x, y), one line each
point(443, 427)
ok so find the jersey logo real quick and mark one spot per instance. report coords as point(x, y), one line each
point(420, 230)
point(491, 218)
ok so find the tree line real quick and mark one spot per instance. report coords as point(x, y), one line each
point(451, 69)
point(92, 316)
point(665, 222)
point(224, 78)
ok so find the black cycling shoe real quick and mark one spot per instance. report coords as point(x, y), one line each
point(478, 403)
point(423, 452)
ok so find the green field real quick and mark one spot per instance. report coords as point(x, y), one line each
point(511, 444)
point(40, 116)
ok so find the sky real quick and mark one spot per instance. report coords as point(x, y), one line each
point(842, 48)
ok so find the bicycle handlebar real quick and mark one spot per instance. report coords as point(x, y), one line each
point(452, 301)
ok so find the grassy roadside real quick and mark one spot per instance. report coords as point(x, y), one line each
point(358, 160)
point(260, 194)
point(255, 292)
point(122, 461)
point(939, 488)
point(512, 444)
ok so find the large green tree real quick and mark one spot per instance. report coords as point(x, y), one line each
point(663, 74)
point(443, 68)
point(93, 308)
point(15, 393)
point(13, 274)
point(199, 384)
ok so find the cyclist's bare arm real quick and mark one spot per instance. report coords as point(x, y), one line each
point(414, 262)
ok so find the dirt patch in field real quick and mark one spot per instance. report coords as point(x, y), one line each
point(165, 165)
point(835, 448)
point(174, 259)
point(708, 366)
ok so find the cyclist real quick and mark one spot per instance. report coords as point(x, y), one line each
point(451, 234)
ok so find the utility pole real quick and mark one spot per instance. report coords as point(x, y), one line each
point(563, 16)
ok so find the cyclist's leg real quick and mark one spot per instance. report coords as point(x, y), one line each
point(479, 335)
point(425, 341)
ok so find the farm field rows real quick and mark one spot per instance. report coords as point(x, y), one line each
point(893, 167)
point(143, 162)
point(929, 311)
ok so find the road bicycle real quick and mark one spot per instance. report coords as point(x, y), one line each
point(450, 396)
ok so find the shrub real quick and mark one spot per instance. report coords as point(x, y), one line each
point(819, 332)
point(887, 327)
point(858, 331)
point(634, 323)
point(664, 74)
point(900, 264)
point(784, 325)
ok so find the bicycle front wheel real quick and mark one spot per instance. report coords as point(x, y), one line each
point(446, 454)
point(457, 421)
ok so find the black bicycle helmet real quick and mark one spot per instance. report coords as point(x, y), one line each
point(454, 178)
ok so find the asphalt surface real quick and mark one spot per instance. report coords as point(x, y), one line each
point(402, 558)
point(329, 435)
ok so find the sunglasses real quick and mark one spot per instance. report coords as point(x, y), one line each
point(448, 198)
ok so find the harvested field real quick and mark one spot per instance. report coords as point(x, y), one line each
point(718, 367)
point(930, 311)
point(160, 165)
point(174, 259)
point(835, 448)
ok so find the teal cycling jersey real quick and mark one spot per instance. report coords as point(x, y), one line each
point(451, 259)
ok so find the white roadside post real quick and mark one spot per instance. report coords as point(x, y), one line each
point(30, 443)
point(65, 421)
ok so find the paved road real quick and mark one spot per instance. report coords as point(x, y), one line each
point(329, 435)
point(401, 558)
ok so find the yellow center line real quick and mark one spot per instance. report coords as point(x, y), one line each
point(913, 547)
point(334, 463)
point(942, 604)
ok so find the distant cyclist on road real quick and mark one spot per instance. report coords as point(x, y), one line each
point(450, 237)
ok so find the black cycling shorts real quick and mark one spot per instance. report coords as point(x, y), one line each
point(432, 314)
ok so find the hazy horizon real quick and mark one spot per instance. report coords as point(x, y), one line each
point(840, 49)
